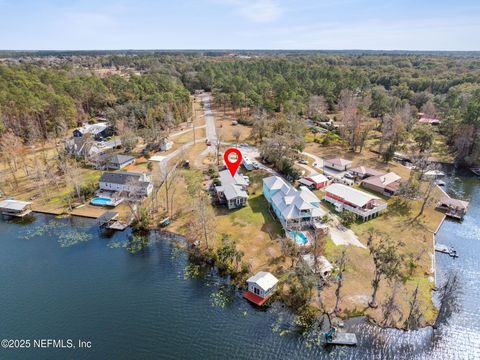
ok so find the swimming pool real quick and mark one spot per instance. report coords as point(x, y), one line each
point(101, 201)
point(299, 237)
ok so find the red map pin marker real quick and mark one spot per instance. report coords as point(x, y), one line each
point(232, 165)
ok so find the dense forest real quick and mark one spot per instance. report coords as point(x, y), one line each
point(43, 96)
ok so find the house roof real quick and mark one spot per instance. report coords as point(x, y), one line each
point(338, 161)
point(367, 171)
point(93, 128)
point(226, 178)
point(14, 205)
point(122, 177)
point(317, 178)
point(353, 196)
point(290, 201)
point(117, 159)
point(233, 191)
point(264, 280)
point(383, 181)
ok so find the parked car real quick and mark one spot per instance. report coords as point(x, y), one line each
point(255, 165)
point(303, 161)
point(348, 176)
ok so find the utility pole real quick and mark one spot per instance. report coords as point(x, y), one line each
point(193, 120)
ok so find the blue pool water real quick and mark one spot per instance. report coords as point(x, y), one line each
point(101, 201)
point(299, 237)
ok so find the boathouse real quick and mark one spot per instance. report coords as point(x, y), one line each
point(15, 208)
point(454, 208)
point(260, 287)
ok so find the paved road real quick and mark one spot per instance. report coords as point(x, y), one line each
point(211, 132)
point(318, 161)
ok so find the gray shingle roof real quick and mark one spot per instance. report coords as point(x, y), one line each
point(121, 178)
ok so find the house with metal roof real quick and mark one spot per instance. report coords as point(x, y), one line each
point(386, 184)
point(261, 286)
point(295, 208)
point(337, 164)
point(314, 181)
point(132, 184)
point(233, 189)
point(346, 198)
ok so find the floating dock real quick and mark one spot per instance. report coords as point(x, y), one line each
point(347, 339)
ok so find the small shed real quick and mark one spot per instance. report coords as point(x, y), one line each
point(16, 208)
point(317, 181)
point(260, 287)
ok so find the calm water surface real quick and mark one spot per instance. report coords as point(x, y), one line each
point(57, 285)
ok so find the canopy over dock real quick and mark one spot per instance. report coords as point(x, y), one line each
point(106, 218)
point(16, 208)
point(454, 207)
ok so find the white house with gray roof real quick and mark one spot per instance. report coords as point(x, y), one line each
point(295, 208)
point(233, 190)
point(132, 184)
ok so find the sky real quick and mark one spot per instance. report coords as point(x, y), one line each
point(240, 24)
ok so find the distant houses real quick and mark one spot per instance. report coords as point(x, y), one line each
point(386, 184)
point(90, 140)
point(295, 209)
point(165, 144)
point(362, 204)
point(98, 131)
point(337, 163)
point(232, 191)
point(131, 184)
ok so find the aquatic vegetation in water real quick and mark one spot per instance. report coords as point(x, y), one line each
point(192, 271)
point(116, 244)
point(137, 243)
point(65, 234)
point(222, 297)
point(73, 237)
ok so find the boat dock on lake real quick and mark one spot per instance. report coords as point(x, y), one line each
point(446, 250)
point(16, 208)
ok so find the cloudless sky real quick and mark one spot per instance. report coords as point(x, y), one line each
point(240, 24)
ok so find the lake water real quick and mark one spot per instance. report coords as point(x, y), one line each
point(57, 284)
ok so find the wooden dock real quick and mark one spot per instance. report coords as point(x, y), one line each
point(118, 225)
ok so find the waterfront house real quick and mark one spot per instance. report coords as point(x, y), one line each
point(362, 172)
point(362, 204)
point(131, 184)
point(387, 184)
point(113, 161)
point(88, 147)
point(232, 191)
point(296, 209)
point(260, 287)
point(314, 181)
point(337, 164)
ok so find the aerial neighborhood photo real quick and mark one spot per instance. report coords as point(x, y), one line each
point(255, 179)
